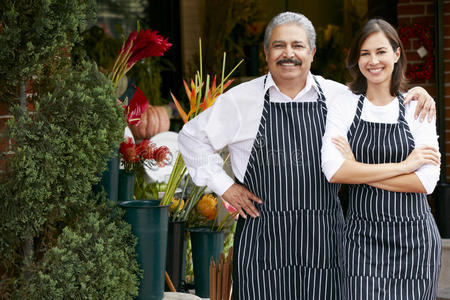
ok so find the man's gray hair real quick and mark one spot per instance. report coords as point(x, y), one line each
point(288, 18)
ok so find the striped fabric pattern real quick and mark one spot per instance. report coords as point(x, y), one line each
point(292, 250)
point(392, 244)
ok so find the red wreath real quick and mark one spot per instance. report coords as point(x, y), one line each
point(423, 70)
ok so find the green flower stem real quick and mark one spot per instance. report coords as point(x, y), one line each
point(116, 60)
point(195, 196)
point(178, 171)
point(121, 67)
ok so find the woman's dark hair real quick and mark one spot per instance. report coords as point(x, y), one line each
point(359, 83)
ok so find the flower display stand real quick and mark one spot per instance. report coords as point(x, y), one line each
point(149, 223)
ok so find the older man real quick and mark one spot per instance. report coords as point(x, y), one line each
point(273, 126)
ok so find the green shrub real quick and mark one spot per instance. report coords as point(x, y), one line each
point(93, 258)
point(60, 149)
point(32, 31)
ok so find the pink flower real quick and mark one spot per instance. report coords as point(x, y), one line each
point(229, 207)
point(137, 106)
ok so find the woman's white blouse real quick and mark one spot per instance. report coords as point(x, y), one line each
point(341, 113)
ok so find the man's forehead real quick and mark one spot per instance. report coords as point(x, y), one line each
point(296, 29)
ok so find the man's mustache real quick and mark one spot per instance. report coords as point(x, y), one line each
point(289, 61)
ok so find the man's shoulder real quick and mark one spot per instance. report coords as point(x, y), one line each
point(247, 91)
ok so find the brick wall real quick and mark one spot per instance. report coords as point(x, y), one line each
point(422, 12)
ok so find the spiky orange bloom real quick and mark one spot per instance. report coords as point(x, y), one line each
point(207, 206)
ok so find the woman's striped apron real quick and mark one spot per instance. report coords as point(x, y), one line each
point(291, 251)
point(392, 247)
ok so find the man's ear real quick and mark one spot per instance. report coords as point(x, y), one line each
point(266, 53)
point(313, 52)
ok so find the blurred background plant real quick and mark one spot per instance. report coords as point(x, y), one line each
point(332, 48)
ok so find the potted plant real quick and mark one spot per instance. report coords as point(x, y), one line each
point(207, 240)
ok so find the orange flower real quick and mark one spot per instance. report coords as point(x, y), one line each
point(175, 203)
point(207, 206)
point(210, 97)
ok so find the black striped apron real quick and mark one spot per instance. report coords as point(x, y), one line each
point(291, 251)
point(392, 247)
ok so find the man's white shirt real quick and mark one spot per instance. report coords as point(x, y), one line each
point(234, 120)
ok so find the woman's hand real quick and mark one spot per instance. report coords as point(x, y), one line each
point(343, 146)
point(419, 157)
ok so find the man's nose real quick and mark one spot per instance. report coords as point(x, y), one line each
point(289, 51)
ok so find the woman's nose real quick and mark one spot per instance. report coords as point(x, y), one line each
point(374, 59)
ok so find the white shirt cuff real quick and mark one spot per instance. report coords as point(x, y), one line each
point(428, 183)
point(220, 183)
point(330, 167)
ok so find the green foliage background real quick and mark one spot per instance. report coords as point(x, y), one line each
point(59, 240)
point(31, 32)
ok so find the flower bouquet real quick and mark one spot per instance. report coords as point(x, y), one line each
point(134, 158)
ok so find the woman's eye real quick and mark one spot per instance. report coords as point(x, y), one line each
point(381, 52)
point(364, 54)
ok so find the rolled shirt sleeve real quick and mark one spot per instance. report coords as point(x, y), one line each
point(424, 134)
point(341, 111)
point(201, 138)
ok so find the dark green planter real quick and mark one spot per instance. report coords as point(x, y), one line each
point(206, 244)
point(126, 185)
point(149, 223)
point(176, 253)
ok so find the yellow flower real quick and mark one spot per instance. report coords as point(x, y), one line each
point(207, 206)
point(175, 203)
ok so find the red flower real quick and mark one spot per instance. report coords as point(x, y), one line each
point(128, 151)
point(147, 43)
point(161, 156)
point(145, 149)
point(130, 41)
point(137, 106)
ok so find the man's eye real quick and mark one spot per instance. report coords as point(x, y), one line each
point(277, 46)
point(298, 46)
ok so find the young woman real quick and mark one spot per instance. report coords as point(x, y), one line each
point(392, 247)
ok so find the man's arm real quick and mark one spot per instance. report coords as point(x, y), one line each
point(199, 141)
point(425, 103)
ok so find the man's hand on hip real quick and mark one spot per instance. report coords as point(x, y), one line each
point(241, 199)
